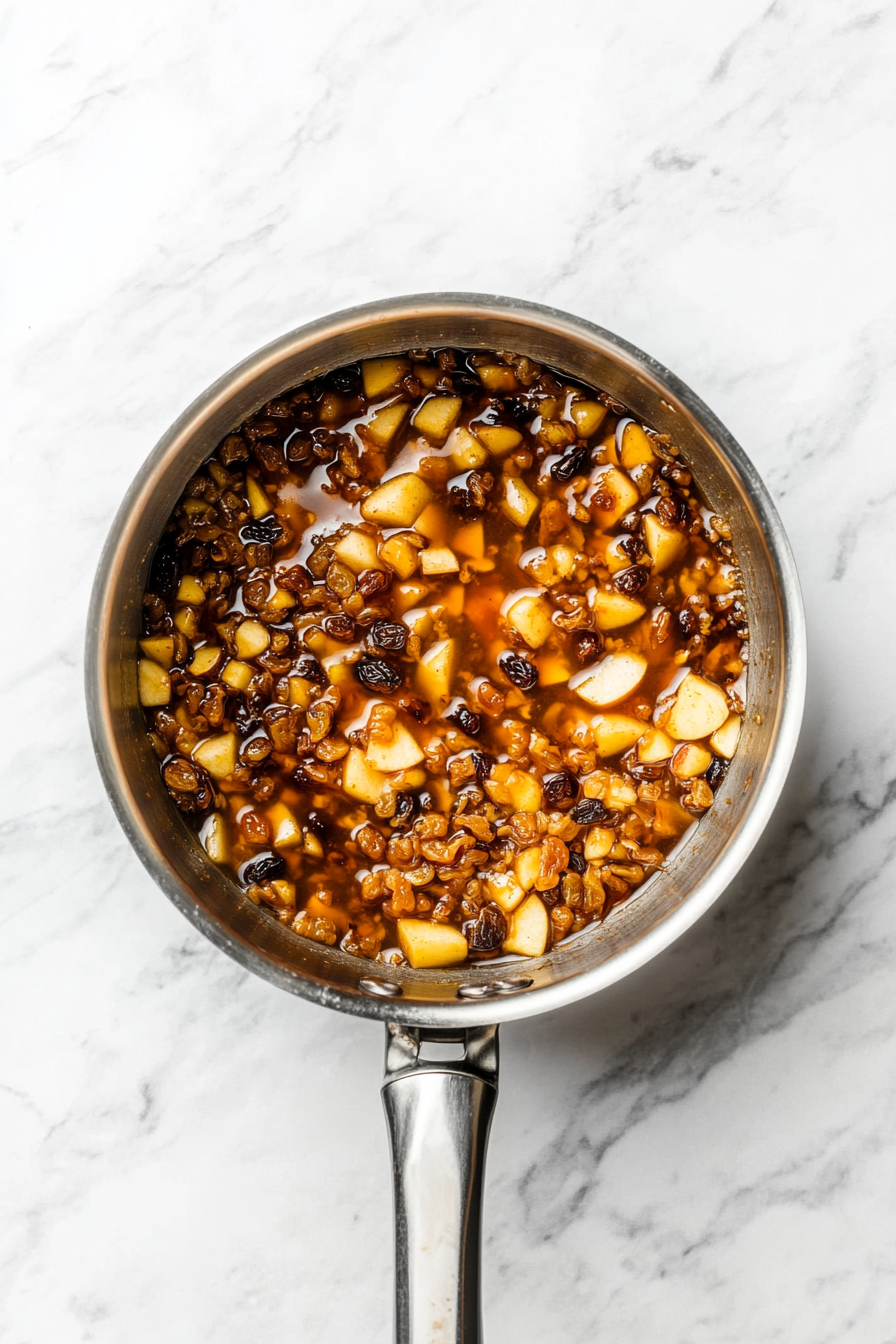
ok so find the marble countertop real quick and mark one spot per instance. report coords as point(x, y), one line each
point(703, 1154)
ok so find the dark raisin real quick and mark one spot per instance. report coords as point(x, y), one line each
point(633, 547)
point(311, 670)
point(574, 463)
point(340, 627)
point(389, 635)
point(586, 645)
point(245, 722)
point(163, 571)
point(298, 449)
point(588, 812)
point(688, 623)
point(372, 581)
point(189, 785)
point(294, 580)
point(465, 385)
point(234, 449)
point(463, 718)
point(345, 380)
point(577, 861)
point(264, 869)
point(404, 809)
point(518, 409)
point(319, 824)
point(550, 898)
point(673, 510)
point(418, 709)
point(560, 790)
point(486, 932)
point(716, 772)
point(676, 473)
point(518, 670)
point(631, 581)
point(482, 764)
point(645, 773)
point(264, 529)
point(377, 674)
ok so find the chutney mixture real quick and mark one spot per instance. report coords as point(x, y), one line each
point(443, 653)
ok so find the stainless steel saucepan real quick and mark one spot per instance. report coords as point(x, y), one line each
point(439, 1112)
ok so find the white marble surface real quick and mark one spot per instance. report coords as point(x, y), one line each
point(705, 1153)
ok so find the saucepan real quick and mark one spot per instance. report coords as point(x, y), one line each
point(439, 1110)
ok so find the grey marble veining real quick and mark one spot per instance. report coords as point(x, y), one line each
point(704, 1154)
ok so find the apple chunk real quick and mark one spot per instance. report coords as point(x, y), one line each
point(611, 680)
point(382, 375)
point(360, 780)
point(435, 671)
point(153, 684)
point(636, 449)
point(505, 890)
point(426, 944)
point(530, 616)
point(655, 746)
point(699, 709)
point(587, 417)
point(529, 926)
point(217, 755)
point(690, 760)
point(251, 639)
point(436, 416)
point(402, 553)
point(397, 502)
point(382, 429)
point(665, 544)
point(357, 551)
point(724, 739)
point(519, 502)
point(401, 753)
point(614, 610)
point(499, 439)
point(160, 648)
point(438, 560)
point(614, 496)
point(614, 733)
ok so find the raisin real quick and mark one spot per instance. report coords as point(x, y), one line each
point(378, 674)
point(264, 869)
point(264, 529)
point(372, 581)
point(163, 572)
point(574, 463)
point(465, 385)
point(716, 772)
point(687, 622)
point(404, 809)
point(346, 380)
point(319, 824)
point(586, 645)
point(673, 510)
point(633, 547)
point(189, 786)
point(632, 580)
point(463, 718)
point(311, 670)
point(389, 635)
point(340, 627)
point(418, 709)
point(588, 812)
point(244, 721)
point(518, 670)
point(482, 764)
point(577, 861)
point(560, 790)
point(487, 932)
point(518, 409)
point(294, 580)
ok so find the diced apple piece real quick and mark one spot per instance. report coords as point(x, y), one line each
point(438, 560)
point(614, 733)
point(435, 672)
point(470, 540)
point(499, 439)
point(286, 830)
point(427, 374)
point(205, 660)
point(237, 674)
point(300, 691)
point(620, 793)
point(665, 544)
point(357, 550)
point(690, 760)
point(563, 560)
point(526, 793)
point(530, 616)
point(614, 610)
point(467, 453)
point(281, 600)
point(670, 819)
point(611, 680)
point(160, 648)
point(419, 621)
point(636, 449)
point(382, 375)
point(383, 427)
point(251, 639)
point(187, 622)
point(190, 590)
point(504, 890)
point(527, 866)
point(497, 378)
point(587, 417)
point(529, 926)
point(259, 499)
point(699, 709)
point(724, 739)
point(519, 502)
point(360, 780)
point(615, 557)
point(153, 684)
point(214, 838)
point(621, 493)
point(598, 842)
point(655, 746)
point(408, 595)
point(400, 554)
point(401, 753)
point(427, 944)
point(398, 502)
point(217, 755)
point(553, 670)
point(436, 416)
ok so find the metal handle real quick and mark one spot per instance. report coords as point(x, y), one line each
point(438, 1114)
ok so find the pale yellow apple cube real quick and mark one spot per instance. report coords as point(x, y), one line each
point(587, 416)
point(160, 648)
point(435, 671)
point(467, 453)
point(724, 739)
point(636, 449)
point(357, 550)
point(499, 439)
point(205, 660)
point(690, 760)
point(287, 833)
point(530, 616)
point(614, 678)
point(699, 708)
point(401, 753)
point(529, 928)
point(436, 416)
point(251, 639)
point(655, 746)
point(217, 755)
point(383, 426)
point(427, 944)
point(190, 590)
point(504, 890)
point(614, 733)
point(401, 554)
point(518, 502)
point(360, 780)
point(153, 684)
point(621, 494)
point(665, 544)
point(398, 502)
point(382, 375)
point(237, 675)
point(438, 560)
point(259, 500)
point(614, 610)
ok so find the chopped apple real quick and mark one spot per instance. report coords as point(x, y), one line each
point(251, 639)
point(214, 838)
point(383, 427)
point(636, 449)
point(587, 417)
point(186, 621)
point(401, 554)
point(205, 660)
point(467, 453)
point(529, 927)
point(526, 793)
point(616, 557)
point(699, 709)
point(435, 671)
point(237, 675)
point(504, 890)
point(499, 439)
point(614, 610)
point(436, 416)
point(619, 793)
point(690, 760)
point(614, 733)
point(670, 819)
point(357, 550)
point(519, 502)
point(398, 502)
point(300, 691)
point(724, 739)
point(407, 595)
point(360, 780)
point(497, 378)
point(401, 753)
point(611, 680)
point(160, 648)
point(665, 544)
point(527, 866)
point(153, 684)
point(427, 374)
point(530, 616)
point(655, 746)
point(562, 559)
point(286, 830)
point(190, 590)
point(598, 842)
point(382, 375)
point(217, 755)
point(438, 560)
point(617, 494)
point(427, 944)
point(259, 500)
point(419, 621)
point(553, 670)
point(470, 540)
point(281, 600)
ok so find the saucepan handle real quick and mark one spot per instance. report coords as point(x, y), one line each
point(438, 1114)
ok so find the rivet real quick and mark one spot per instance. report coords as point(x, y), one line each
point(511, 984)
point(475, 991)
point(385, 989)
